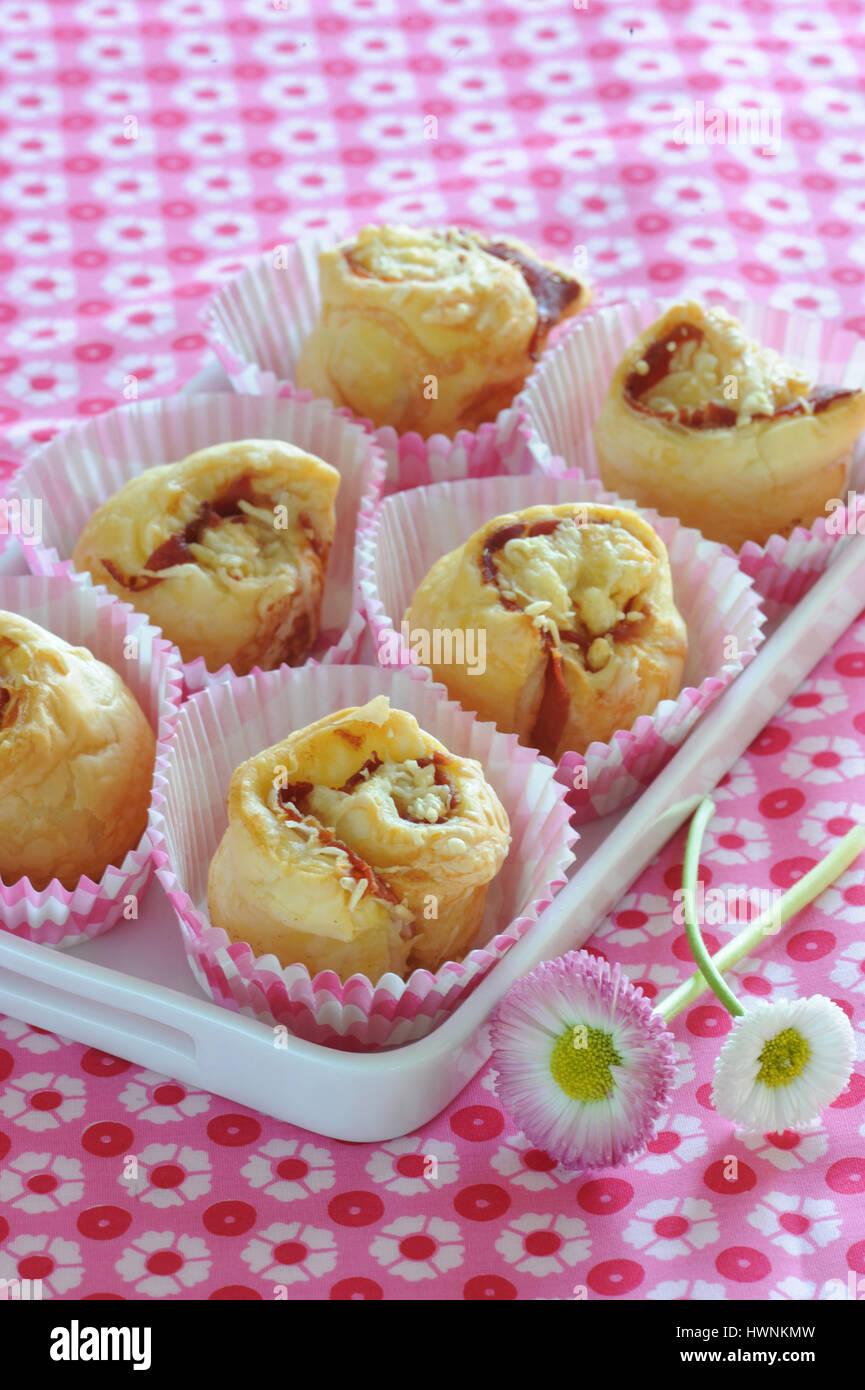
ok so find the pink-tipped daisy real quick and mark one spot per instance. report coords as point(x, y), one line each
point(584, 1063)
point(781, 1062)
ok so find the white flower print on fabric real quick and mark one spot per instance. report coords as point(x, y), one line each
point(417, 1248)
point(669, 1228)
point(541, 1245)
point(289, 1170)
point(412, 1165)
point(162, 1263)
point(799, 1225)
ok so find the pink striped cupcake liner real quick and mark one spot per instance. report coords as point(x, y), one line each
point(83, 466)
point(719, 604)
point(257, 324)
point(564, 396)
point(219, 728)
point(92, 618)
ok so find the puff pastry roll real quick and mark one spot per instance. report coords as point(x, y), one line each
point(359, 845)
point(226, 551)
point(702, 423)
point(580, 631)
point(433, 331)
point(76, 760)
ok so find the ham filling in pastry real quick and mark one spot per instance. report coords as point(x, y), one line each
point(358, 845)
point(76, 760)
point(432, 331)
point(581, 633)
point(702, 423)
point(226, 551)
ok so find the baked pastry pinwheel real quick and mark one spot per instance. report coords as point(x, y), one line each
point(359, 845)
point(226, 551)
point(433, 331)
point(76, 760)
point(581, 634)
point(702, 423)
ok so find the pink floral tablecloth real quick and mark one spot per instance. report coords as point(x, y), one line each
point(147, 148)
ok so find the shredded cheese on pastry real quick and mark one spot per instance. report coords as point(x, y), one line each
point(704, 370)
point(578, 578)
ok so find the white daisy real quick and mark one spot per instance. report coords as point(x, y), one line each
point(781, 1062)
point(584, 1063)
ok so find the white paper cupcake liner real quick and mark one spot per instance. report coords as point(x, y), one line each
point(716, 600)
point(89, 617)
point(564, 396)
point(257, 324)
point(221, 727)
point(83, 466)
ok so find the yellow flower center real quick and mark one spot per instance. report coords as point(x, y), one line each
point(783, 1058)
point(581, 1060)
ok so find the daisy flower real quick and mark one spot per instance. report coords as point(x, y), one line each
point(583, 1061)
point(781, 1062)
point(586, 1066)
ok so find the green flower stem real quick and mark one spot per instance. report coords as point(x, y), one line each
point(690, 872)
point(809, 887)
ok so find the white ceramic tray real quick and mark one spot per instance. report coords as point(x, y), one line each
point(131, 993)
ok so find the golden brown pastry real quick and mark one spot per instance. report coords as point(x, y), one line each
point(76, 760)
point(702, 423)
point(358, 845)
point(226, 551)
point(580, 633)
point(433, 331)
